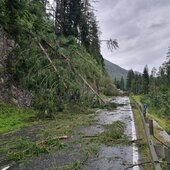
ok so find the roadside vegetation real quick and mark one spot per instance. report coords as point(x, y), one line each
point(154, 112)
point(14, 118)
point(154, 90)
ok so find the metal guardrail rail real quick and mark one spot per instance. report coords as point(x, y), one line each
point(154, 156)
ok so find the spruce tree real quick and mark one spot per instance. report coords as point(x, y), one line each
point(145, 77)
point(122, 84)
point(76, 18)
point(130, 77)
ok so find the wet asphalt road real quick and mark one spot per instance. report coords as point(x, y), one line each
point(116, 157)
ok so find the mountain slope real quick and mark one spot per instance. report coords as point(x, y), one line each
point(53, 71)
point(115, 71)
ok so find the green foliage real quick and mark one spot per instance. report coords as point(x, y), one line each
point(158, 108)
point(156, 92)
point(13, 118)
point(120, 84)
point(25, 148)
point(53, 90)
point(130, 77)
point(75, 165)
point(23, 18)
point(28, 23)
point(114, 134)
point(145, 77)
point(45, 134)
point(3, 13)
point(109, 88)
point(76, 18)
point(159, 103)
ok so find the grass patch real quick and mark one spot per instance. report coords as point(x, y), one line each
point(163, 122)
point(13, 118)
point(63, 124)
point(138, 100)
point(113, 134)
point(91, 148)
point(72, 166)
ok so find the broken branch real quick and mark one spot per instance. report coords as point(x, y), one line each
point(143, 163)
point(54, 138)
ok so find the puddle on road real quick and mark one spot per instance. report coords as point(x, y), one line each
point(112, 158)
point(91, 130)
point(117, 157)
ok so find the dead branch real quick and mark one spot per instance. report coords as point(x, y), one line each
point(161, 142)
point(91, 136)
point(68, 60)
point(111, 44)
point(53, 139)
point(85, 81)
point(47, 56)
point(135, 141)
point(50, 61)
point(143, 163)
point(82, 56)
point(48, 44)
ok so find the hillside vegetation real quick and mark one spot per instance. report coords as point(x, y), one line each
point(57, 59)
point(115, 71)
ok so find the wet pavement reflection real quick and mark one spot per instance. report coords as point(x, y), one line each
point(117, 157)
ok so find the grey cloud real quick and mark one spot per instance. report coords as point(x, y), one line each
point(142, 28)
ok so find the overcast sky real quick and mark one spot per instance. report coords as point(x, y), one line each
point(141, 27)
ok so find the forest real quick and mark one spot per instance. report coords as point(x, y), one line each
point(153, 89)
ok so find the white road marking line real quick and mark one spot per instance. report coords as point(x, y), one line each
point(134, 147)
point(7, 167)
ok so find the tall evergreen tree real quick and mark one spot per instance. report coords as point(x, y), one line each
point(94, 39)
point(168, 67)
point(76, 18)
point(122, 84)
point(145, 77)
point(62, 17)
point(130, 77)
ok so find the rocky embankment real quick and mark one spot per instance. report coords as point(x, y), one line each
point(9, 92)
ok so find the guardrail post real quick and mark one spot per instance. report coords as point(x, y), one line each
point(167, 157)
point(160, 151)
point(151, 129)
point(144, 114)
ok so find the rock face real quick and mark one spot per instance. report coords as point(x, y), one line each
point(6, 45)
point(21, 98)
point(9, 92)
